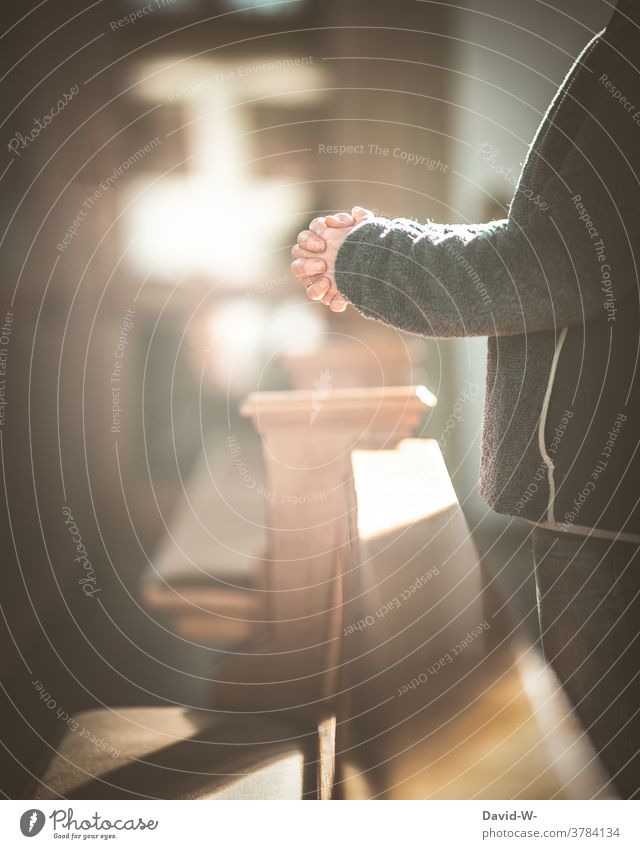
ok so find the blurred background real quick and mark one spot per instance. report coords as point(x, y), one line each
point(157, 163)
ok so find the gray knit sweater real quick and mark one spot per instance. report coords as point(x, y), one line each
point(559, 274)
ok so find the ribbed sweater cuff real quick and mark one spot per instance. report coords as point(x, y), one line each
point(355, 263)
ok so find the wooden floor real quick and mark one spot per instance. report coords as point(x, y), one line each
point(516, 738)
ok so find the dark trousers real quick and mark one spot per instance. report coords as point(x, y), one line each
point(589, 608)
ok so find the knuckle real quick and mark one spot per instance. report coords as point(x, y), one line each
point(318, 227)
point(303, 237)
point(315, 292)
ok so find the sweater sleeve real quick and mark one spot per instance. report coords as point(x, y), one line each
point(562, 266)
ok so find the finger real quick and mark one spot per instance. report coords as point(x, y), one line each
point(330, 295)
point(318, 289)
point(340, 219)
point(338, 304)
point(299, 253)
point(360, 213)
point(306, 267)
point(310, 242)
point(319, 228)
point(316, 223)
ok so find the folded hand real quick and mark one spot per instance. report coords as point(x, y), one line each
point(315, 255)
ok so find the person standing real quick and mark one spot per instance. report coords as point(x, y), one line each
point(555, 287)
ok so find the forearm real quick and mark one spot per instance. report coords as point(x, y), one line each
point(495, 279)
point(420, 278)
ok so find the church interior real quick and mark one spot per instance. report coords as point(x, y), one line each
point(245, 555)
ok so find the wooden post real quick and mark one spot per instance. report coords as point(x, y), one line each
point(308, 441)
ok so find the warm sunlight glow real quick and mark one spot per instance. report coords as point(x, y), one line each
point(397, 488)
point(294, 330)
point(198, 225)
point(217, 216)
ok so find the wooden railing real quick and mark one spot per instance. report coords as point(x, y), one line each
point(381, 631)
point(384, 627)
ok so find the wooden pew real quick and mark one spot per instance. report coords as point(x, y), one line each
point(205, 581)
point(389, 667)
point(380, 356)
point(237, 749)
point(176, 753)
point(383, 623)
point(309, 439)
